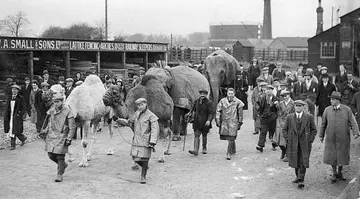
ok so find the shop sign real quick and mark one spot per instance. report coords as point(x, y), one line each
point(14, 43)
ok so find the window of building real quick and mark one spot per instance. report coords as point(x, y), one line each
point(328, 49)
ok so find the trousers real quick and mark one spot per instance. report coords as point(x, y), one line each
point(267, 124)
point(301, 170)
point(59, 159)
point(21, 137)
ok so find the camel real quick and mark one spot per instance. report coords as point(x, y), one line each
point(159, 102)
point(86, 101)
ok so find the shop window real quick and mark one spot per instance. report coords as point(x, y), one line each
point(328, 49)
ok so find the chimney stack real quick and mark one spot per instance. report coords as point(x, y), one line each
point(267, 30)
point(319, 11)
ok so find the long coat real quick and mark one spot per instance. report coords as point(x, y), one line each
point(203, 112)
point(305, 137)
point(68, 91)
point(33, 118)
point(339, 81)
point(311, 91)
point(17, 120)
point(40, 109)
point(254, 99)
point(336, 125)
point(228, 116)
point(299, 90)
point(61, 126)
point(355, 107)
point(25, 92)
point(241, 87)
point(254, 72)
point(323, 99)
point(283, 111)
point(146, 130)
point(348, 92)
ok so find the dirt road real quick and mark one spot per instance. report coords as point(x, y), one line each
point(28, 173)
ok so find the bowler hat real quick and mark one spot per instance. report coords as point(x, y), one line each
point(203, 91)
point(335, 95)
point(45, 72)
point(300, 102)
point(140, 100)
point(16, 86)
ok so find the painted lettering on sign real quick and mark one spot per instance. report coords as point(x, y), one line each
point(9, 43)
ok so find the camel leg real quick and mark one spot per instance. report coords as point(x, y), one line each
point(71, 158)
point(84, 143)
point(89, 153)
point(169, 140)
point(162, 150)
point(111, 134)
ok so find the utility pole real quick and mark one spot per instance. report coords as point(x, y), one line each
point(332, 16)
point(106, 21)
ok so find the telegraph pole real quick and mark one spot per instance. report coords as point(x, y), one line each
point(106, 21)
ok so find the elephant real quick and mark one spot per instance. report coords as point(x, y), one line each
point(183, 85)
point(158, 102)
point(220, 70)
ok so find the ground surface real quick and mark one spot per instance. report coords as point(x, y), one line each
point(28, 173)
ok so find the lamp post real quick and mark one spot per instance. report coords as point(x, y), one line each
point(106, 21)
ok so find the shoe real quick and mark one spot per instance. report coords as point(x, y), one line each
point(301, 185)
point(296, 181)
point(282, 155)
point(340, 177)
point(333, 178)
point(12, 148)
point(274, 145)
point(135, 167)
point(143, 180)
point(193, 152)
point(176, 138)
point(259, 148)
point(228, 156)
point(204, 151)
point(285, 159)
point(23, 142)
point(255, 133)
point(59, 178)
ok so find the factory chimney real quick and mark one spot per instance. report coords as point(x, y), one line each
point(267, 30)
point(320, 22)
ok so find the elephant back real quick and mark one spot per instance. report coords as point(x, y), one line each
point(187, 83)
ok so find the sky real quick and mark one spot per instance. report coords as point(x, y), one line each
point(289, 17)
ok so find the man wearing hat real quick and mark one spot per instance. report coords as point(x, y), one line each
point(68, 86)
point(317, 72)
point(298, 88)
point(350, 87)
point(325, 90)
point(277, 88)
point(266, 76)
point(13, 117)
point(311, 87)
point(324, 71)
point(46, 78)
point(58, 131)
point(284, 108)
point(241, 86)
point(203, 113)
point(9, 83)
point(299, 132)
point(337, 122)
point(40, 105)
point(25, 92)
point(257, 92)
point(145, 126)
point(279, 72)
point(268, 114)
point(254, 72)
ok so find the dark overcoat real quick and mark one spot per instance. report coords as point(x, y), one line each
point(323, 99)
point(355, 106)
point(348, 93)
point(299, 90)
point(203, 112)
point(311, 92)
point(68, 91)
point(241, 87)
point(40, 109)
point(17, 121)
point(25, 92)
point(254, 72)
point(305, 137)
point(335, 127)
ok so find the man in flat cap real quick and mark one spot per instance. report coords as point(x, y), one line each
point(257, 93)
point(266, 76)
point(279, 72)
point(58, 138)
point(68, 86)
point(46, 78)
point(254, 72)
point(13, 117)
point(145, 126)
point(40, 105)
point(337, 121)
point(25, 92)
point(203, 113)
point(268, 114)
point(350, 87)
point(241, 86)
point(299, 132)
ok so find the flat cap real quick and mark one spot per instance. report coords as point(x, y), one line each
point(78, 83)
point(263, 83)
point(203, 91)
point(284, 92)
point(69, 80)
point(265, 68)
point(323, 68)
point(16, 86)
point(300, 102)
point(140, 100)
point(45, 84)
point(335, 95)
point(45, 72)
point(269, 86)
point(8, 80)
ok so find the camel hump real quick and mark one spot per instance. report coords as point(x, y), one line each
point(146, 78)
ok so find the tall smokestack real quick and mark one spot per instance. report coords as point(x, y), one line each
point(319, 11)
point(267, 30)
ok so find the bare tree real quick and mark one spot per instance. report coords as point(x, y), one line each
point(120, 37)
point(15, 25)
point(99, 31)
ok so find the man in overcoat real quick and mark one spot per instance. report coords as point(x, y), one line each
point(203, 113)
point(268, 114)
point(25, 92)
point(254, 72)
point(40, 105)
point(355, 107)
point(241, 86)
point(299, 132)
point(299, 88)
point(337, 121)
point(325, 90)
point(350, 87)
point(145, 126)
point(13, 117)
point(311, 88)
point(58, 131)
point(257, 92)
point(229, 118)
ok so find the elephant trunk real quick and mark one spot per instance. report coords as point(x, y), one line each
point(215, 87)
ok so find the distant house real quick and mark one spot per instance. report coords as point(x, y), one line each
point(243, 51)
point(338, 45)
point(290, 43)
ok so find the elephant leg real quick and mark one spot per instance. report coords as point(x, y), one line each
point(176, 124)
point(162, 151)
point(168, 139)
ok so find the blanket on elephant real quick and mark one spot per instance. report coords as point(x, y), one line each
point(187, 83)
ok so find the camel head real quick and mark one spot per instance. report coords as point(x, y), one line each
point(115, 98)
